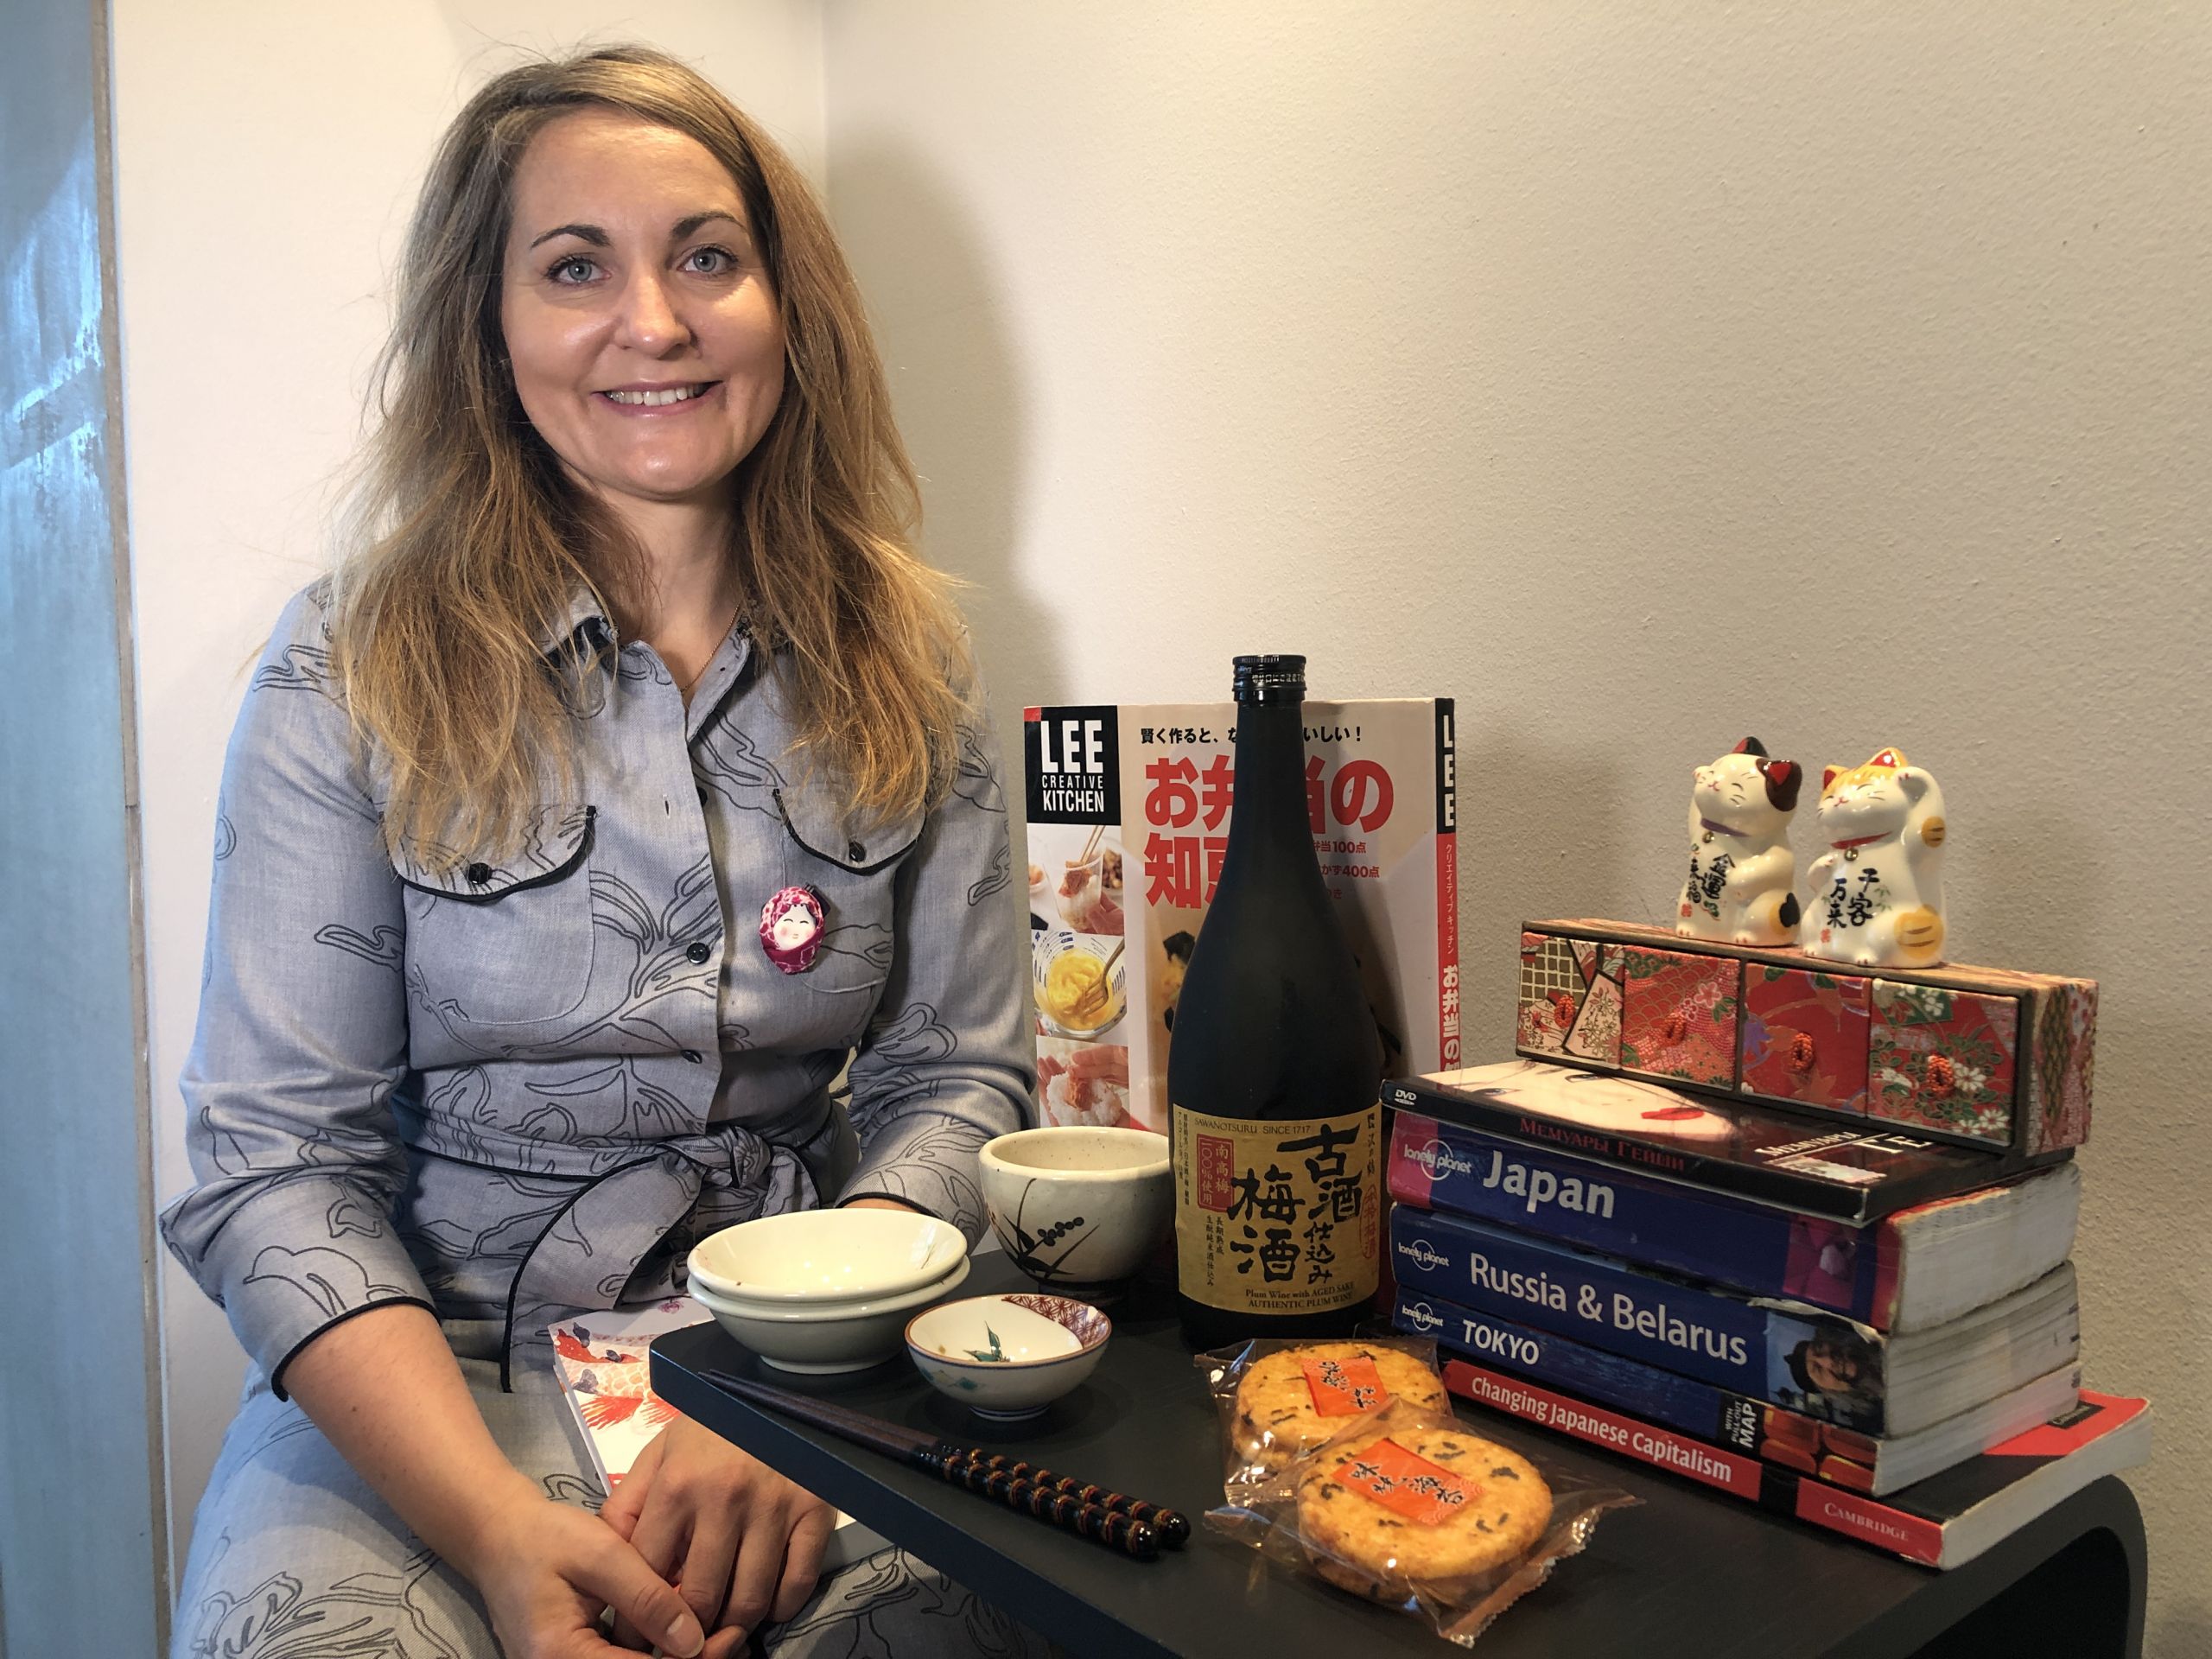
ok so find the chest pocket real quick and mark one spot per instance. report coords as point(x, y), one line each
point(854, 868)
point(506, 943)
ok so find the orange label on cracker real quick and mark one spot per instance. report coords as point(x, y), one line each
point(1407, 1483)
point(1345, 1388)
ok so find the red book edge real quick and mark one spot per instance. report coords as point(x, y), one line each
point(1851, 1514)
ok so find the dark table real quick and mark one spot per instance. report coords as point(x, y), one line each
point(1688, 1572)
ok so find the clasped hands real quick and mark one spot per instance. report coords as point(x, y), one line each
point(699, 1546)
point(741, 1544)
point(709, 1543)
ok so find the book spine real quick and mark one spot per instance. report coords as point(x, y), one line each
point(1767, 1182)
point(1764, 1353)
point(1766, 1252)
point(1447, 882)
point(1714, 1415)
point(1721, 1470)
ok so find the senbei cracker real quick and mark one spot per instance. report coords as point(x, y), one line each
point(1281, 1399)
point(1423, 1503)
point(1407, 1506)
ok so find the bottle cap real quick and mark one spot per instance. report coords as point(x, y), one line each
point(1270, 679)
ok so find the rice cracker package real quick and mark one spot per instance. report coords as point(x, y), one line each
point(1277, 1399)
point(1410, 1508)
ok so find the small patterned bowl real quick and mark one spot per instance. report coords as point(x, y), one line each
point(1007, 1357)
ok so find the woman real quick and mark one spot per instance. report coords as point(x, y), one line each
point(626, 668)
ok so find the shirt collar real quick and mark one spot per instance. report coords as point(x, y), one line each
point(581, 627)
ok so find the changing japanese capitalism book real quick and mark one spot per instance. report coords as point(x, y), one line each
point(1127, 808)
point(1944, 1521)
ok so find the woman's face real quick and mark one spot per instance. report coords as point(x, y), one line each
point(646, 344)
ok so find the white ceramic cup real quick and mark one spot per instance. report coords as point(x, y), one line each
point(1078, 1208)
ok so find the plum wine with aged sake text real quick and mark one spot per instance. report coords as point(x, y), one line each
point(1274, 1064)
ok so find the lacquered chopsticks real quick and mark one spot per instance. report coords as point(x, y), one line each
point(1128, 1525)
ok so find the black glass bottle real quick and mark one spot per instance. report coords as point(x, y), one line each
point(1274, 1064)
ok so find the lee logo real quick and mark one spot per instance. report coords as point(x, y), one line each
point(1073, 764)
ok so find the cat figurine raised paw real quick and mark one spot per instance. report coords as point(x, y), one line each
point(1877, 895)
point(1741, 868)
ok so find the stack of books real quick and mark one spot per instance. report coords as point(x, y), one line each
point(1876, 1332)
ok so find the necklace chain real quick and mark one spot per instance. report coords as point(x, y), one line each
point(685, 688)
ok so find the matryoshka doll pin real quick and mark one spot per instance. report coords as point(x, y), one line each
point(791, 928)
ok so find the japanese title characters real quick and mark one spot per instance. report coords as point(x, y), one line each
point(1876, 896)
point(1742, 871)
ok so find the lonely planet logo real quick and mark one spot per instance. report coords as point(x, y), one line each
point(1437, 1159)
point(1422, 1317)
point(1422, 1253)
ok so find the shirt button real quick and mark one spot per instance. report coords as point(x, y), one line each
point(478, 875)
point(698, 951)
point(693, 1055)
point(855, 851)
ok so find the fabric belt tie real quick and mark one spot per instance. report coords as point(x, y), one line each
point(632, 1194)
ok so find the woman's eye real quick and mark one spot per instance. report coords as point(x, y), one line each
point(573, 271)
point(711, 262)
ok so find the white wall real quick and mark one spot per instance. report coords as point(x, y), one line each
point(1641, 375)
point(1638, 375)
point(266, 158)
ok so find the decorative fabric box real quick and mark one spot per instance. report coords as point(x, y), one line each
point(1987, 1056)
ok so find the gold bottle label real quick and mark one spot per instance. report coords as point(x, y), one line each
point(1278, 1217)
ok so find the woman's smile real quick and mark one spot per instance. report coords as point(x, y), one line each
point(645, 342)
point(660, 399)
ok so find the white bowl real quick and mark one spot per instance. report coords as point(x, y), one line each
point(1007, 1358)
point(1079, 1208)
point(810, 1256)
point(846, 1337)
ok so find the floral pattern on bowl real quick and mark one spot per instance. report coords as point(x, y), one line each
point(1084, 1322)
point(1007, 1357)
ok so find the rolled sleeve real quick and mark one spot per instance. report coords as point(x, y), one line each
point(948, 1062)
point(302, 1026)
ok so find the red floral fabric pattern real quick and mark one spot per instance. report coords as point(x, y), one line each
point(1805, 1036)
point(1678, 1014)
point(1942, 1059)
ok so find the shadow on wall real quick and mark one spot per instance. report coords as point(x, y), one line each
point(1540, 821)
point(959, 391)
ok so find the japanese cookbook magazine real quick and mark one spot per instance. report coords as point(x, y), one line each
point(1127, 809)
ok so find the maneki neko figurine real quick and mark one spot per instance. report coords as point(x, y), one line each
point(1877, 888)
point(1741, 868)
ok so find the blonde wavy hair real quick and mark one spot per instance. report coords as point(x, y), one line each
point(467, 544)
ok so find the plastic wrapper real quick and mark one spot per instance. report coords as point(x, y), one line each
point(1277, 1399)
point(1412, 1508)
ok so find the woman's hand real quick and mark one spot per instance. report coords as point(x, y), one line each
point(742, 1545)
point(545, 1569)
